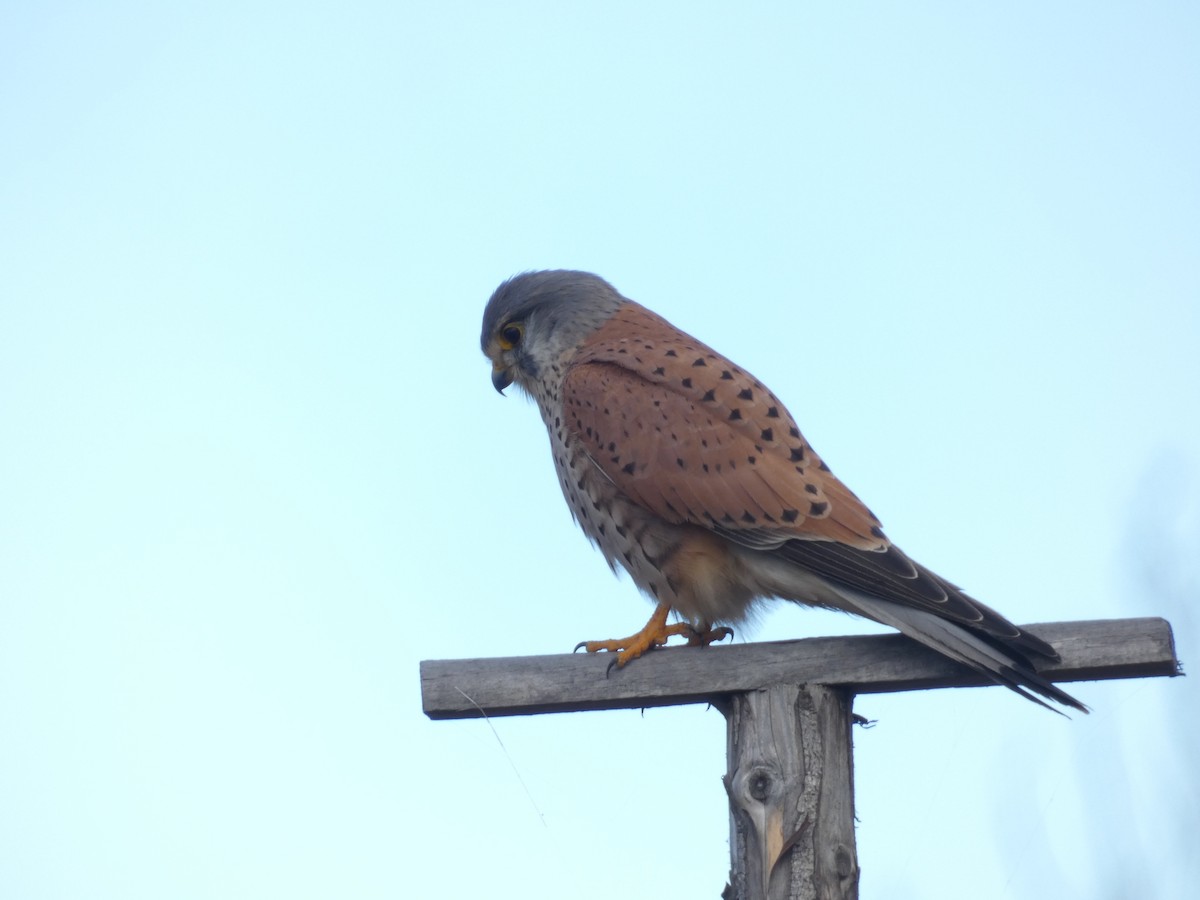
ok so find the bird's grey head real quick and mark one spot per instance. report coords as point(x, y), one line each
point(535, 318)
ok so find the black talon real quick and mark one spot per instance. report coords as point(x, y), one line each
point(577, 646)
point(612, 665)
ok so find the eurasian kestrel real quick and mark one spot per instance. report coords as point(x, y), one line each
point(689, 473)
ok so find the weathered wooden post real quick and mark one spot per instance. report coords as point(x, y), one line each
point(791, 793)
point(788, 710)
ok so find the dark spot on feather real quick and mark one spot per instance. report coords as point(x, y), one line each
point(660, 371)
point(704, 466)
point(751, 460)
point(823, 467)
point(876, 531)
point(654, 589)
point(671, 353)
point(709, 396)
point(768, 434)
point(679, 462)
point(622, 530)
point(797, 454)
point(794, 431)
point(602, 528)
point(748, 519)
point(726, 375)
point(628, 468)
point(791, 515)
point(727, 518)
point(745, 394)
point(687, 382)
point(772, 412)
point(818, 508)
point(812, 489)
point(735, 415)
point(699, 362)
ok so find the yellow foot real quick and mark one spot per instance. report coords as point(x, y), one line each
point(655, 634)
point(709, 636)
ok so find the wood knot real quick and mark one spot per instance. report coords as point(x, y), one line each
point(758, 785)
point(843, 861)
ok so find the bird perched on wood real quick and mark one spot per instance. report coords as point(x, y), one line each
point(690, 474)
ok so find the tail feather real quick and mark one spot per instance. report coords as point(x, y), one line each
point(1003, 666)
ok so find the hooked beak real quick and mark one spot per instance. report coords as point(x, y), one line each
point(501, 378)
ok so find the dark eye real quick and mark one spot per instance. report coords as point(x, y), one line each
point(511, 334)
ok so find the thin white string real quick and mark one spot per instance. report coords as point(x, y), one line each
point(507, 755)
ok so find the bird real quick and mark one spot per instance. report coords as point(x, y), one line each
point(691, 475)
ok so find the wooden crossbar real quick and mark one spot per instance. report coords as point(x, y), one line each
point(527, 685)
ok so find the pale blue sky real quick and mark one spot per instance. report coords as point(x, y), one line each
point(253, 468)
